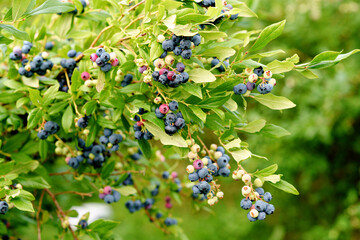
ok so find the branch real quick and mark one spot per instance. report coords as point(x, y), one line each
point(61, 213)
point(74, 192)
point(38, 215)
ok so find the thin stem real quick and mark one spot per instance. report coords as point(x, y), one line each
point(38, 214)
point(99, 35)
point(133, 21)
point(207, 150)
point(74, 192)
point(5, 154)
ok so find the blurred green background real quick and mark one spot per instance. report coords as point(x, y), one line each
point(321, 157)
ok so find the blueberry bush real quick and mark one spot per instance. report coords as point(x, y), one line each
point(109, 96)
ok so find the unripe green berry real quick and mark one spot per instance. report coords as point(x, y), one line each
point(246, 179)
point(254, 213)
point(258, 182)
point(218, 155)
point(246, 190)
point(190, 169)
point(213, 147)
point(58, 150)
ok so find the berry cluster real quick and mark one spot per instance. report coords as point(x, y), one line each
point(136, 205)
point(83, 224)
point(179, 45)
point(4, 207)
point(168, 204)
point(109, 195)
point(70, 63)
point(104, 60)
point(83, 122)
point(170, 78)
point(205, 169)
point(264, 87)
point(173, 121)
point(140, 131)
point(174, 177)
point(256, 200)
point(17, 53)
point(127, 79)
point(170, 221)
point(49, 129)
point(135, 153)
point(221, 68)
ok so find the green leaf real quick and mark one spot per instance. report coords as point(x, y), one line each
point(35, 97)
point(271, 130)
point(198, 112)
point(268, 34)
point(43, 149)
point(175, 140)
point(6, 167)
point(155, 50)
point(241, 155)
point(15, 32)
point(280, 67)
point(101, 81)
point(254, 126)
point(274, 102)
point(19, 7)
point(212, 35)
point(126, 190)
point(102, 226)
point(285, 186)
point(52, 6)
point(24, 167)
point(76, 81)
point(220, 52)
point(34, 118)
point(67, 119)
point(34, 182)
point(26, 195)
point(192, 18)
point(233, 144)
point(193, 89)
point(107, 169)
point(200, 75)
point(9, 97)
point(273, 178)
point(145, 147)
point(266, 171)
point(324, 56)
point(213, 102)
point(23, 204)
point(265, 54)
point(243, 10)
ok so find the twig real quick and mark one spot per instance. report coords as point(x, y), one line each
point(74, 192)
point(38, 214)
point(207, 150)
point(61, 213)
point(99, 35)
point(5, 154)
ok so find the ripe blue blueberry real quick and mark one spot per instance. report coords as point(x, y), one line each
point(234, 16)
point(158, 113)
point(269, 209)
point(42, 134)
point(250, 86)
point(185, 44)
point(240, 89)
point(26, 49)
point(251, 218)
point(173, 105)
point(224, 172)
point(195, 189)
point(135, 156)
point(109, 199)
point(171, 117)
point(213, 169)
point(177, 51)
point(165, 175)
point(107, 132)
point(96, 150)
point(185, 77)
point(27, 43)
point(38, 60)
point(203, 173)
point(193, 177)
point(105, 57)
point(22, 71)
point(215, 62)
point(104, 140)
point(262, 216)
point(196, 39)
point(260, 191)
point(83, 224)
point(138, 134)
point(128, 78)
point(220, 149)
point(71, 64)
point(176, 39)
point(163, 55)
point(100, 51)
point(107, 67)
point(260, 205)
point(222, 162)
point(49, 46)
point(82, 122)
point(180, 123)
point(148, 135)
point(259, 71)
point(245, 204)
point(155, 75)
point(158, 215)
point(180, 67)
point(204, 187)
point(186, 54)
point(115, 138)
point(170, 129)
point(51, 127)
point(168, 45)
point(267, 197)
point(4, 207)
point(73, 162)
point(116, 195)
point(71, 53)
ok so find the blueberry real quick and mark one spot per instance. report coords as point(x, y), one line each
point(259, 71)
point(180, 123)
point(234, 16)
point(193, 177)
point(222, 68)
point(38, 60)
point(136, 127)
point(82, 122)
point(269, 209)
point(49, 46)
point(51, 127)
point(129, 204)
point(22, 71)
point(138, 135)
point(165, 175)
point(27, 43)
point(168, 222)
point(158, 215)
point(171, 117)
point(26, 49)
point(225, 172)
point(154, 192)
point(148, 135)
point(221, 149)
point(114, 148)
point(96, 150)
point(103, 140)
point(158, 113)
point(62, 63)
point(148, 203)
point(107, 67)
point(262, 216)
point(105, 57)
point(135, 156)
point(100, 51)
point(185, 44)
point(163, 55)
point(250, 86)
point(71, 53)
point(83, 224)
point(240, 89)
point(196, 39)
point(170, 129)
point(260, 191)
point(79, 158)
point(209, 178)
point(155, 75)
point(107, 132)
point(214, 62)
point(24, 62)
point(177, 51)
point(207, 3)
point(176, 39)
point(222, 162)
point(180, 67)
point(73, 162)
point(179, 115)
point(115, 138)
point(251, 218)
point(204, 187)
point(186, 54)
point(128, 78)
point(163, 79)
point(185, 77)
point(116, 195)
point(213, 169)
point(109, 199)
point(203, 173)
point(4, 207)
point(264, 88)
point(81, 143)
point(260, 205)
point(12, 57)
point(267, 197)
point(168, 45)
point(71, 64)
point(173, 105)
point(43, 134)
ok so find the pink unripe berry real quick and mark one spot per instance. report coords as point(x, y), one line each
point(107, 190)
point(102, 195)
point(167, 199)
point(164, 108)
point(168, 205)
point(85, 76)
point(164, 71)
point(142, 69)
point(67, 159)
point(139, 123)
point(198, 164)
point(115, 62)
point(174, 175)
point(171, 75)
point(93, 57)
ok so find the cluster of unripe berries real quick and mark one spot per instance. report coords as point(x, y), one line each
point(265, 86)
point(140, 131)
point(179, 45)
point(144, 69)
point(173, 78)
point(136, 205)
point(38, 65)
point(203, 170)
point(173, 121)
point(256, 200)
point(104, 60)
point(109, 195)
point(49, 129)
point(70, 63)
